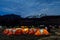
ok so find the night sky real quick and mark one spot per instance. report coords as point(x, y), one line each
point(30, 7)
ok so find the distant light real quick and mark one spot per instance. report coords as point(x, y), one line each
point(0, 26)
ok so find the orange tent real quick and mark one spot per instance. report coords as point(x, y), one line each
point(37, 33)
point(10, 32)
point(13, 30)
point(5, 31)
point(18, 32)
point(41, 32)
point(25, 30)
point(31, 31)
point(45, 32)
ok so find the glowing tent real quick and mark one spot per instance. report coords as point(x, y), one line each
point(21, 31)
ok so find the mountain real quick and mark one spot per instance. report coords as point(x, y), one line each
point(10, 19)
point(36, 16)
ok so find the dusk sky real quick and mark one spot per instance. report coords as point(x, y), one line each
point(30, 7)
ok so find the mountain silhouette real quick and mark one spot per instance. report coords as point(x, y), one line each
point(10, 19)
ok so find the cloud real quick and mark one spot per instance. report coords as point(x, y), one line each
point(30, 7)
point(49, 9)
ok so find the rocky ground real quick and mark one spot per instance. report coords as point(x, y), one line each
point(54, 35)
